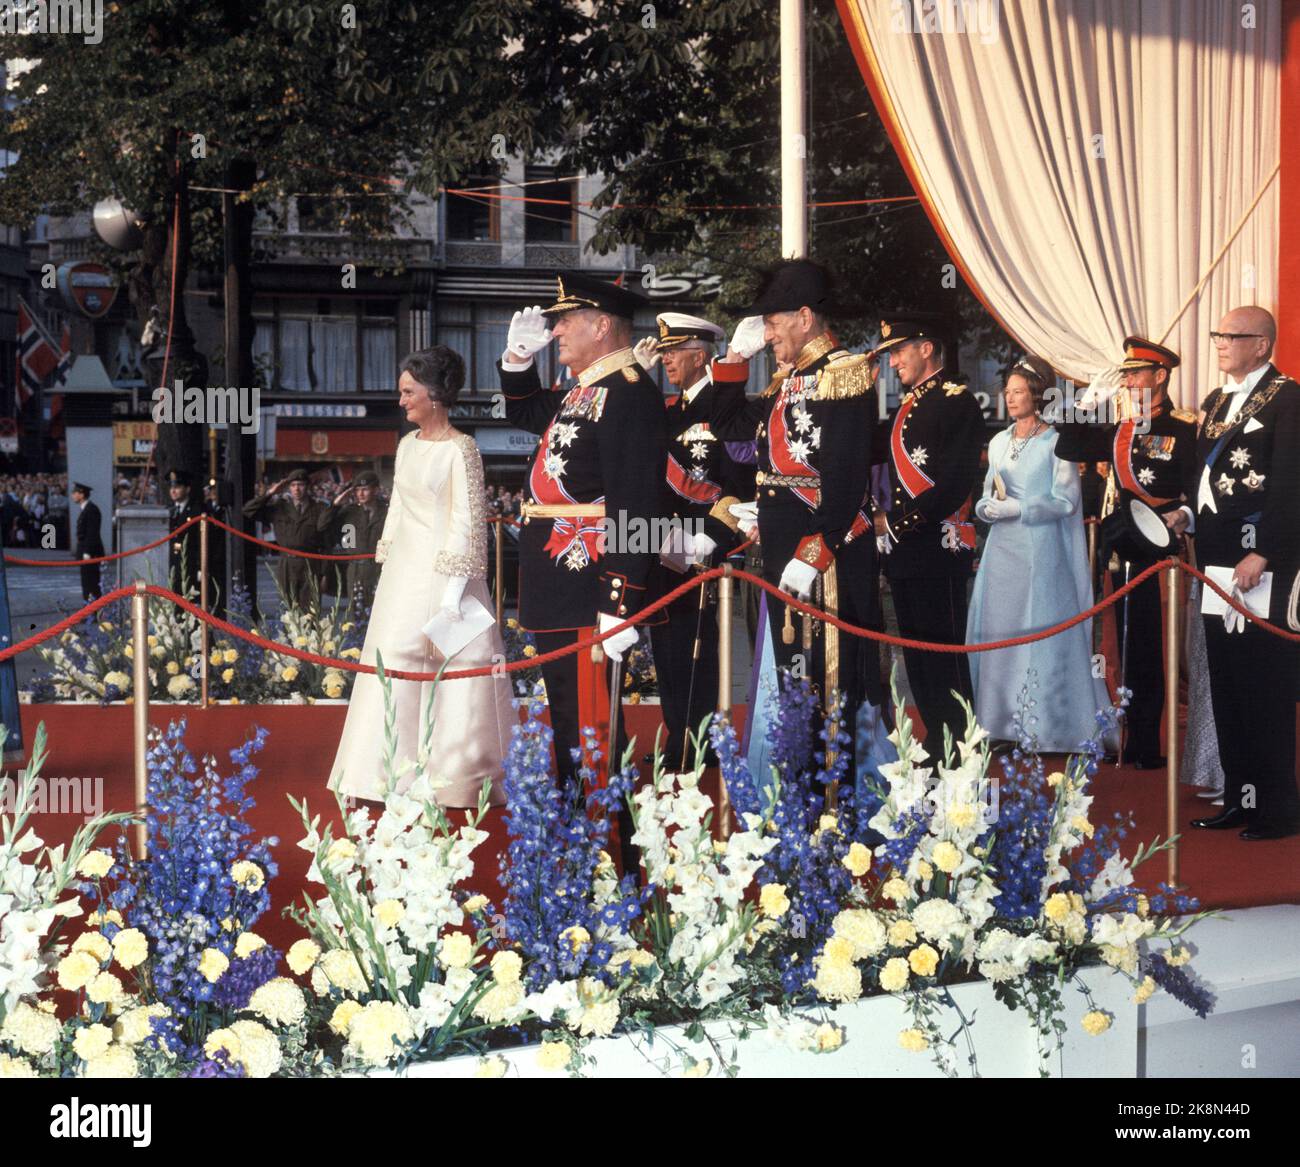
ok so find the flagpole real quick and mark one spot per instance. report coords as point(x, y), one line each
point(794, 143)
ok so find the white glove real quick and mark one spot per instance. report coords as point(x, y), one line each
point(798, 578)
point(678, 549)
point(618, 644)
point(704, 548)
point(994, 510)
point(528, 335)
point(452, 594)
point(1103, 387)
point(382, 549)
point(747, 513)
point(884, 545)
point(1234, 621)
point(646, 351)
point(748, 337)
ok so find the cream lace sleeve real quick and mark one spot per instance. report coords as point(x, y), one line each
point(464, 552)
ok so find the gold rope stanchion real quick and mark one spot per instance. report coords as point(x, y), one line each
point(726, 589)
point(140, 700)
point(204, 632)
point(501, 554)
point(1171, 721)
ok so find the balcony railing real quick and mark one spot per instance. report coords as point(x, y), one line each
point(289, 247)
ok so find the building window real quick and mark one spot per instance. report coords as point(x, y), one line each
point(349, 347)
point(477, 330)
point(471, 218)
point(552, 220)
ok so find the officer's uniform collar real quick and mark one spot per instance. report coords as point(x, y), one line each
point(814, 350)
point(610, 363)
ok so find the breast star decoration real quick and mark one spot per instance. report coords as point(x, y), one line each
point(799, 449)
point(553, 466)
point(563, 433)
point(919, 455)
point(1146, 476)
point(699, 451)
point(1225, 484)
point(1240, 457)
point(1254, 481)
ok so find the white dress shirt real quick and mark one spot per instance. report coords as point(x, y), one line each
point(1239, 391)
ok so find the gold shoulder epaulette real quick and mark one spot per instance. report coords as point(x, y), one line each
point(848, 376)
point(953, 388)
point(1185, 414)
point(630, 372)
point(773, 385)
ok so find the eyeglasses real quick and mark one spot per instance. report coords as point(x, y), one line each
point(1216, 337)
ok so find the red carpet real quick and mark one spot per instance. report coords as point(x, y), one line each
point(95, 743)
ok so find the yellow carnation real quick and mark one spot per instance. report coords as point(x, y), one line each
point(913, 1040)
point(227, 675)
point(92, 1041)
point(1144, 991)
point(118, 1061)
point(506, 967)
point(946, 857)
point(772, 900)
point(895, 889)
point(456, 950)
point(247, 944)
point(475, 904)
point(212, 964)
point(96, 943)
point(95, 864)
point(106, 989)
point(130, 947)
point(248, 875)
point(1096, 1022)
point(341, 1018)
point(1057, 907)
point(923, 960)
point(902, 933)
point(894, 976)
point(76, 970)
point(858, 860)
point(553, 1055)
point(178, 687)
point(389, 912)
point(828, 1037)
point(493, 1067)
point(302, 955)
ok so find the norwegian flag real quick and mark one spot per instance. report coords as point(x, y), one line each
point(37, 356)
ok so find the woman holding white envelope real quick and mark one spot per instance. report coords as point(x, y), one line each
point(431, 605)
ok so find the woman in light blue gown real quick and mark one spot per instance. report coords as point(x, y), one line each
point(1033, 573)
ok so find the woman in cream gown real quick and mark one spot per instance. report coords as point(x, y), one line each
point(434, 556)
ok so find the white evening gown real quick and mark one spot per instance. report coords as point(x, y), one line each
point(1033, 573)
point(436, 528)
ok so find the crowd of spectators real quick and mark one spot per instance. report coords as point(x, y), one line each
point(27, 503)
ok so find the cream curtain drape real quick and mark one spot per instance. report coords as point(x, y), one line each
point(1098, 167)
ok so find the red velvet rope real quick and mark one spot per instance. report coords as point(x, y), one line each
point(697, 580)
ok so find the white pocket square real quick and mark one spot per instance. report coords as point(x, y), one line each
point(1251, 426)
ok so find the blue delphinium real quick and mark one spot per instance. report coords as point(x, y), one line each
point(1177, 983)
point(808, 861)
point(184, 896)
point(549, 866)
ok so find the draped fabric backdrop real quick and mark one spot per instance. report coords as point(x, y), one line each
point(1094, 167)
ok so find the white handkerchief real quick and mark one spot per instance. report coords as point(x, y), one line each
point(1251, 426)
point(1257, 599)
point(450, 636)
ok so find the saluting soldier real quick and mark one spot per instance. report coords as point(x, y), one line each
point(296, 521)
point(927, 535)
point(601, 454)
point(1150, 447)
point(184, 555)
point(355, 522)
point(704, 483)
point(813, 426)
point(88, 543)
point(1245, 487)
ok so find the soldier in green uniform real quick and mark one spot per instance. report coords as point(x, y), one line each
point(356, 526)
point(296, 519)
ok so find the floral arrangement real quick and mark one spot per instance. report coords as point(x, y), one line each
point(95, 661)
point(943, 872)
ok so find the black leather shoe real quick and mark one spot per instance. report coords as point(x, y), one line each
point(1253, 834)
point(1151, 763)
point(1232, 817)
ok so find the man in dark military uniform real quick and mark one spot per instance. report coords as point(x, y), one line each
point(704, 482)
point(1150, 447)
point(296, 520)
point(927, 536)
point(89, 543)
point(601, 454)
point(356, 527)
point(813, 425)
point(183, 555)
point(1245, 487)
